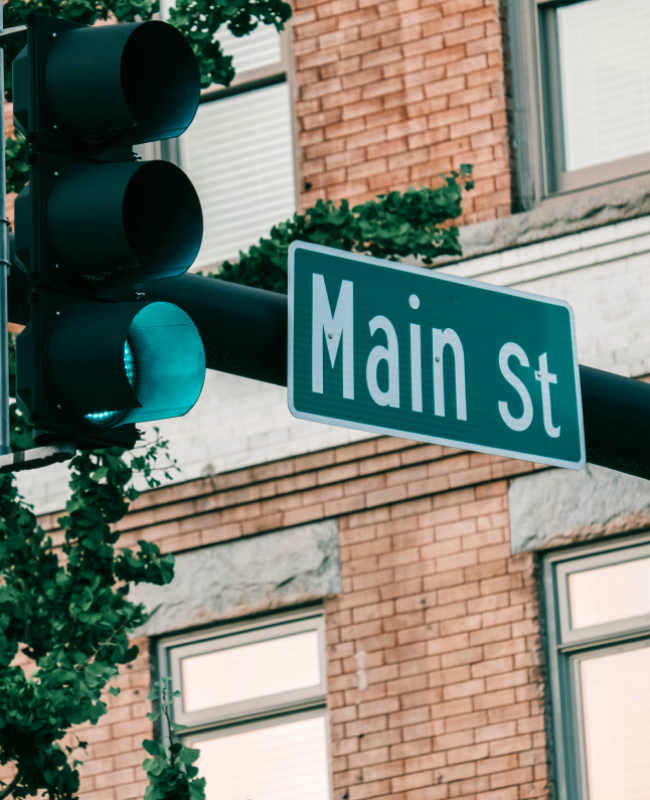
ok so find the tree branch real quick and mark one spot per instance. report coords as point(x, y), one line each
point(9, 789)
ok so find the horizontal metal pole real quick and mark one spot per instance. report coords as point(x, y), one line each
point(244, 332)
point(616, 414)
point(9, 35)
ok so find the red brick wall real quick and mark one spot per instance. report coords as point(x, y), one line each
point(391, 93)
point(433, 645)
point(445, 620)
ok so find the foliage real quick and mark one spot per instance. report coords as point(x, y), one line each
point(170, 770)
point(392, 226)
point(19, 428)
point(67, 609)
point(198, 20)
point(72, 616)
point(16, 150)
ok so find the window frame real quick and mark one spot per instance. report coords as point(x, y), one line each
point(567, 648)
point(537, 112)
point(262, 715)
point(172, 651)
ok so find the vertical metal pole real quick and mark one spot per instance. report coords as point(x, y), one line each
point(5, 446)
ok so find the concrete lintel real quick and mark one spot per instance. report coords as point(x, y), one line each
point(245, 576)
point(556, 507)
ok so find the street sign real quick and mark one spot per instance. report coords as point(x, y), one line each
point(423, 355)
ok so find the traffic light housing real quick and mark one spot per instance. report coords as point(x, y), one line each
point(97, 357)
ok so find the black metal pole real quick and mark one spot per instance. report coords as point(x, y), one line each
point(244, 332)
point(617, 421)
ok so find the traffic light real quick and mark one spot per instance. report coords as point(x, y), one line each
point(97, 356)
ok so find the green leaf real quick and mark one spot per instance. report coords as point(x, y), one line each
point(153, 747)
point(189, 755)
point(197, 789)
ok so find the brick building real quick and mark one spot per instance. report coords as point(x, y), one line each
point(359, 617)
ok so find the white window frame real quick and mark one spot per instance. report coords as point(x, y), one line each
point(261, 712)
point(172, 651)
point(566, 648)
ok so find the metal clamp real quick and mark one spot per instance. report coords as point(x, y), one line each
point(7, 223)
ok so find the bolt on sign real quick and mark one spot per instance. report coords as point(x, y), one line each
point(423, 355)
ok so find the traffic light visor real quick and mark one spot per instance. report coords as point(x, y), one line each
point(118, 85)
point(109, 223)
point(169, 363)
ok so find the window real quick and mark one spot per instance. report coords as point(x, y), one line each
point(598, 604)
point(581, 93)
point(255, 697)
point(239, 151)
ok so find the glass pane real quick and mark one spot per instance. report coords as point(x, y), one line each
point(282, 762)
point(616, 700)
point(619, 591)
point(238, 153)
point(605, 77)
point(261, 48)
point(250, 670)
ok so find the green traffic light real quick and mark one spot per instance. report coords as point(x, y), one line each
point(115, 364)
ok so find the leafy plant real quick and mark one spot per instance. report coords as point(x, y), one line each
point(16, 150)
point(19, 428)
point(198, 20)
point(67, 609)
point(393, 226)
point(170, 769)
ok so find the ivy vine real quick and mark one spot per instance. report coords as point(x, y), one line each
point(67, 609)
point(392, 226)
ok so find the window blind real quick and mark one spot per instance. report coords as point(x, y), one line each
point(238, 153)
point(605, 80)
point(286, 761)
point(616, 707)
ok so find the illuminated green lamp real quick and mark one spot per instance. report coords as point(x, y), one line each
point(144, 361)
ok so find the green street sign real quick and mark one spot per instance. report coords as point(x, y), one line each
point(418, 354)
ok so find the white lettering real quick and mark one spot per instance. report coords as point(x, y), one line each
point(440, 340)
point(523, 422)
point(333, 327)
point(416, 369)
point(546, 378)
point(390, 354)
